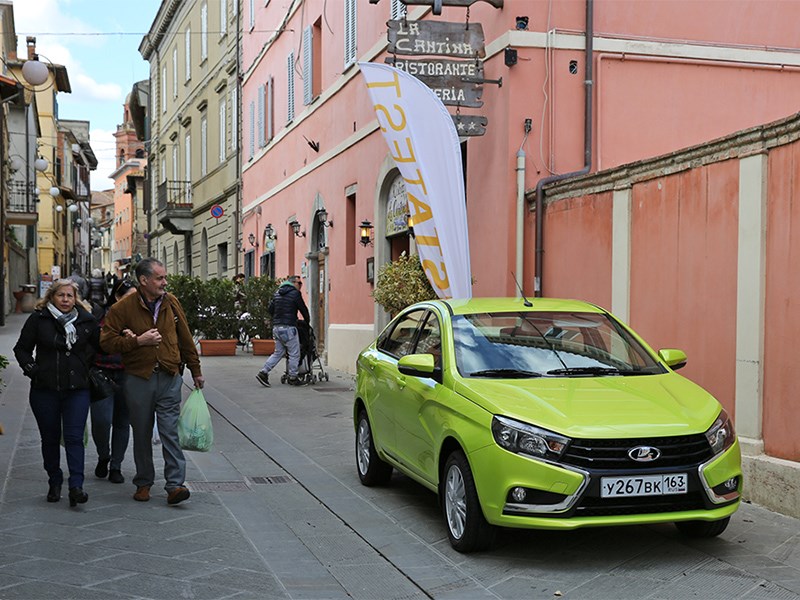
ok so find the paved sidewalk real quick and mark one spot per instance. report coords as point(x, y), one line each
point(277, 511)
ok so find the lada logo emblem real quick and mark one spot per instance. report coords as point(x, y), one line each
point(644, 453)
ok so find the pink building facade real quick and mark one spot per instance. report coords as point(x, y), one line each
point(665, 75)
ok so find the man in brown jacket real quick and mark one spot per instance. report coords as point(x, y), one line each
point(150, 330)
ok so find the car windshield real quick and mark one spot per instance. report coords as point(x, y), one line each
point(547, 344)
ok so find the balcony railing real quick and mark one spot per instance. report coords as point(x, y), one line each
point(175, 206)
point(22, 203)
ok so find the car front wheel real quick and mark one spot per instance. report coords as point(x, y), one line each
point(467, 528)
point(702, 529)
point(371, 469)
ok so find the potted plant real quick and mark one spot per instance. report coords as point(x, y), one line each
point(187, 290)
point(218, 320)
point(258, 291)
point(401, 283)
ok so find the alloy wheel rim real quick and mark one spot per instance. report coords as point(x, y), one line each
point(455, 502)
point(363, 447)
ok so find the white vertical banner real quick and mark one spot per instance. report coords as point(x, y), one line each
point(424, 144)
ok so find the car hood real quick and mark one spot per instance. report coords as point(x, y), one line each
point(599, 407)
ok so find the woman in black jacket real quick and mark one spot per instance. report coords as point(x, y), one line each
point(64, 336)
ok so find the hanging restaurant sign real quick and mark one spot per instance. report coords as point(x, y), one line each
point(438, 4)
point(446, 78)
point(437, 38)
point(470, 124)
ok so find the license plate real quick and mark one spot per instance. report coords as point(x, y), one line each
point(643, 485)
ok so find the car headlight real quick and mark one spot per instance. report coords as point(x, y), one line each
point(721, 434)
point(522, 438)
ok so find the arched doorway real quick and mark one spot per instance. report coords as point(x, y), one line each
point(318, 275)
point(396, 223)
point(175, 257)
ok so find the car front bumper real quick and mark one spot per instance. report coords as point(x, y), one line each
point(566, 497)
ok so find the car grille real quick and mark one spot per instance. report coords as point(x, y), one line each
point(612, 454)
point(595, 507)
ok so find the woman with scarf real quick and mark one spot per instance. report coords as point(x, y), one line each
point(55, 348)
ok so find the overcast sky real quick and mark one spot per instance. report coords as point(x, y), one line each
point(98, 41)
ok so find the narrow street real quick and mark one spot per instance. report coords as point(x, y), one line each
point(277, 511)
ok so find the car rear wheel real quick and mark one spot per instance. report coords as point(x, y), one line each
point(702, 529)
point(467, 529)
point(371, 469)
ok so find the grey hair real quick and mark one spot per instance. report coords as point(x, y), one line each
point(144, 268)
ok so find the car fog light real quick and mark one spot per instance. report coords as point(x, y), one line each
point(732, 483)
point(518, 494)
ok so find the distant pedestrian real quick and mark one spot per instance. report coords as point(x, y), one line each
point(97, 289)
point(110, 422)
point(55, 347)
point(153, 357)
point(284, 307)
point(83, 285)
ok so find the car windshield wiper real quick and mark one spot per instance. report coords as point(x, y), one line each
point(508, 373)
point(590, 371)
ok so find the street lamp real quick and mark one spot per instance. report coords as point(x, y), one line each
point(252, 239)
point(269, 232)
point(40, 164)
point(366, 233)
point(295, 225)
point(322, 217)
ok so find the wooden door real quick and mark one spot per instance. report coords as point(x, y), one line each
point(321, 304)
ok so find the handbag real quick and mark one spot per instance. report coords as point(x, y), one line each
point(101, 386)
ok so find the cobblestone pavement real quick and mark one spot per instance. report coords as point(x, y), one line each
point(277, 511)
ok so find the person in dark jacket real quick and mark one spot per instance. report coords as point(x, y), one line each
point(284, 306)
point(64, 337)
point(110, 419)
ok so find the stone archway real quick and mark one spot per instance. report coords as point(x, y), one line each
point(317, 258)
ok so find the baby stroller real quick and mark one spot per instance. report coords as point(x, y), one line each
point(309, 359)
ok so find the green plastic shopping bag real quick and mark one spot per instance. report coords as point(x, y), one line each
point(194, 424)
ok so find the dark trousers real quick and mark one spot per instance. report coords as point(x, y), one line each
point(56, 412)
point(110, 421)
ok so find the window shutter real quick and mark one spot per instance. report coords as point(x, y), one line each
point(204, 146)
point(234, 119)
point(164, 89)
point(349, 32)
point(308, 65)
point(262, 96)
point(188, 151)
point(270, 109)
point(290, 87)
point(252, 144)
point(203, 32)
point(175, 72)
point(252, 11)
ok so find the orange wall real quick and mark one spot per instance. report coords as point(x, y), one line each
point(782, 313)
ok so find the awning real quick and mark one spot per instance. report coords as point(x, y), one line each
point(9, 88)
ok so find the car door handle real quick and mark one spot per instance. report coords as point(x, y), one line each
point(401, 382)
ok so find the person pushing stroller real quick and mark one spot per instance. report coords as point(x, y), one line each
point(283, 307)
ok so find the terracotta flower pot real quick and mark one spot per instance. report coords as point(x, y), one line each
point(263, 347)
point(218, 347)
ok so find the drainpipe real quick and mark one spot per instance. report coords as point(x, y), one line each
point(587, 151)
point(520, 215)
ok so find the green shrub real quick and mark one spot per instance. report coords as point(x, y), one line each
point(258, 292)
point(218, 317)
point(187, 290)
point(401, 283)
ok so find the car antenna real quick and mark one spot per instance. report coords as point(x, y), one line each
point(521, 293)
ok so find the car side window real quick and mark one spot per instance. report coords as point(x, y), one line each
point(401, 340)
point(430, 339)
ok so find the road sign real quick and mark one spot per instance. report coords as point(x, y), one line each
point(217, 211)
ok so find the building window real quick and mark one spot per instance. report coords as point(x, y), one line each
point(234, 119)
point(203, 32)
point(262, 107)
point(175, 154)
point(270, 108)
point(203, 145)
point(188, 61)
point(223, 129)
point(188, 156)
point(267, 265)
point(164, 89)
point(290, 88)
point(163, 173)
point(223, 17)
point(308, 65)
point(175, 72)
point(350, 32)
point(252, 142)
point(222, 259)
point(350, 227)
point(252, 15)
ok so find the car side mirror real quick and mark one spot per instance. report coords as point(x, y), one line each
point(675, 359)
point(419, 365)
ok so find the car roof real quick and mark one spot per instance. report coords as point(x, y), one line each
point(483, 305)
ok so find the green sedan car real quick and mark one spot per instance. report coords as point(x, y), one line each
point(543, 414)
